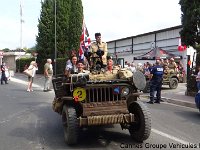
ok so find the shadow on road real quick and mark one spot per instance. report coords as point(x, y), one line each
point(43, 127)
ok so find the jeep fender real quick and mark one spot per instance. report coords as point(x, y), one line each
point(131, 99)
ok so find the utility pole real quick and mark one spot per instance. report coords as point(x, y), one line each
point(55, 63)
point(21, 33)
point(21, 21)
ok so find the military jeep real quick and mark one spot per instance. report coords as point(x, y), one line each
point(171, 79)
point(82, 102)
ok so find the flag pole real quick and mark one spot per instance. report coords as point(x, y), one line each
point(21, 33)
point(55, 63)
point(20, 24)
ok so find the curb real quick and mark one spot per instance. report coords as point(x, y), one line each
point(179, 102)
point(175, 101)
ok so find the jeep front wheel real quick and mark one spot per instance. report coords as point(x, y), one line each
point(173, 83)
point(140, 129)
point(70, 125)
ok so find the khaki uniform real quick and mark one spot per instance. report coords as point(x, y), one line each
point(172, 67)
point(113, 71)
point(84, 71)
point(102, 46)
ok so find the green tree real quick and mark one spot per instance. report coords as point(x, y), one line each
point(69, 14)
point(190, 34)
point(45, 38)
point(75, 24)
point(190, 19)
point(62, 29)
point(6, 49)
point(31, 50)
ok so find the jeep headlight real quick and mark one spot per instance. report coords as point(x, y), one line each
point(125, 91)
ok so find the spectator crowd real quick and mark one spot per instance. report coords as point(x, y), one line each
point(169, 65)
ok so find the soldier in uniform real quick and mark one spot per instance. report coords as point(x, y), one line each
point(156, 82)
point(81, 66)
point(99, 48)
point(172, 65)
point(109, 66)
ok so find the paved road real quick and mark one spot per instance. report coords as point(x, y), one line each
point(27, 122)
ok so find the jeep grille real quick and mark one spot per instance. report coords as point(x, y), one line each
point(101, 94)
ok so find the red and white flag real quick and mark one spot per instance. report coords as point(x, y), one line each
point(85, 41)
point(180, 46)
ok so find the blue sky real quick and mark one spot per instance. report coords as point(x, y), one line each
point(113, 18)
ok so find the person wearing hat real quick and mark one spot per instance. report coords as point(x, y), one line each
point(156, 82)
point(172, 65)
point(81, 66)
point(99, 49)
point(110, 68)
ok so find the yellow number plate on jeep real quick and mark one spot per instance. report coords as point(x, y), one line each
point(80, 93)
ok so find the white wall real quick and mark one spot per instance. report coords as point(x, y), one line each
point(167, 39)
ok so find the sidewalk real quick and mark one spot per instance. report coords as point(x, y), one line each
point(175, 96)
point(181, 100)
point(178, 99)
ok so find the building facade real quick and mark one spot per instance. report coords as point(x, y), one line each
point(10, 58)
point(167, 39)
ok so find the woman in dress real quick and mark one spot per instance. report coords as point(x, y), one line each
point(33, 67)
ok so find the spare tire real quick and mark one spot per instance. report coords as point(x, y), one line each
point(139, 80)
point(147, 87)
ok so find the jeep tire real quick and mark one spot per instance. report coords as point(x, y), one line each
point(173, 83)
point(140, 129)
point(70, 125)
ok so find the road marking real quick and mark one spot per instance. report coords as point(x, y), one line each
point(170, 136)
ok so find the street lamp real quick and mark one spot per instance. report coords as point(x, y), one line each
point(55, 43)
